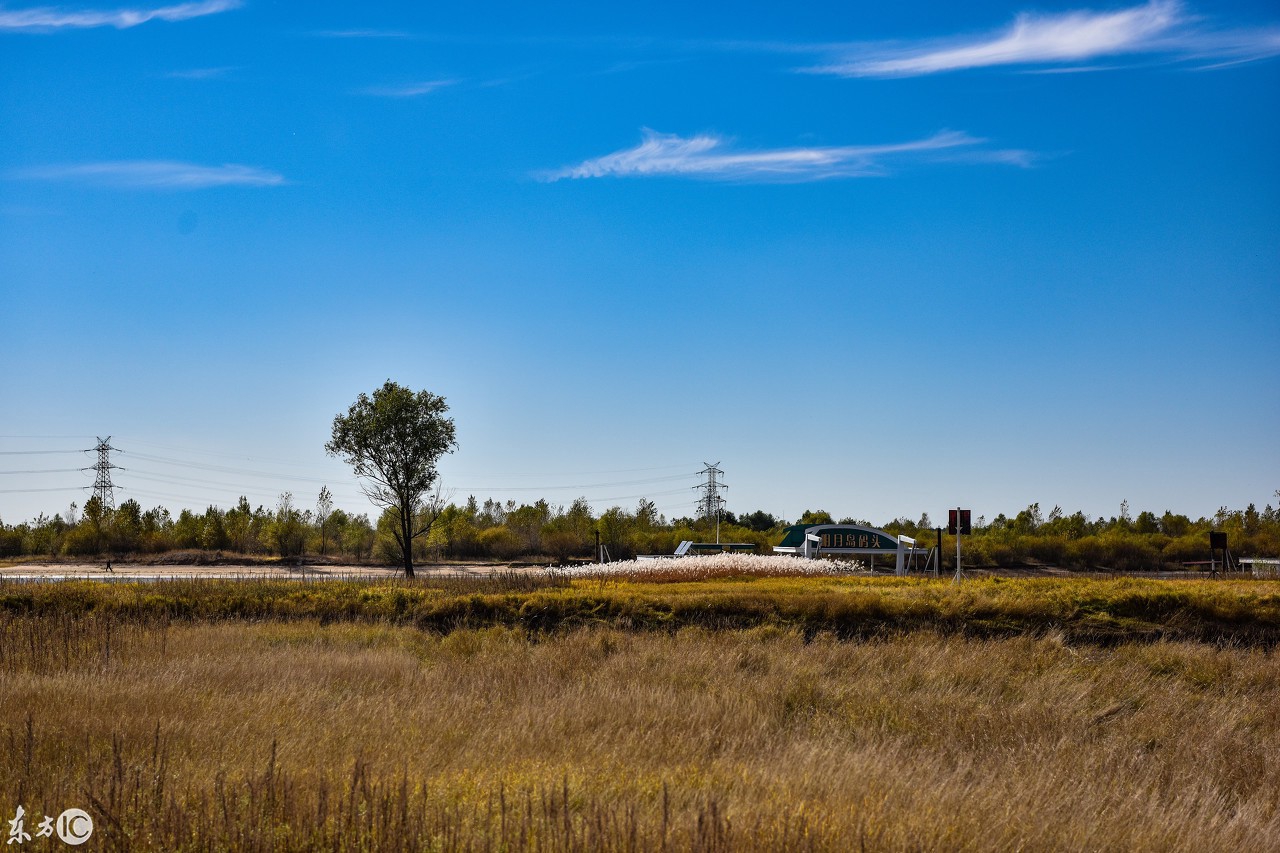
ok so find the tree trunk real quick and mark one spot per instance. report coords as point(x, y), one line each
point(406, 536)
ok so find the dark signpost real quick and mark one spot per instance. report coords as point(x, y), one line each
point(958, 524)
point(1218, 542)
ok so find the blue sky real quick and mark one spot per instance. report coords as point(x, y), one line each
point(878, 260)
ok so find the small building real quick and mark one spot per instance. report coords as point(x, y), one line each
point(817, 540)
point(689, 548)
point(1261, 567)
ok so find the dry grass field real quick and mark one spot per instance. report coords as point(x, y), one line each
point(290, 731)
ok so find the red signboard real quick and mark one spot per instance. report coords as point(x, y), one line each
point(958, 521)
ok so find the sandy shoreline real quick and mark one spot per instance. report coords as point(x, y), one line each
point(184, 570)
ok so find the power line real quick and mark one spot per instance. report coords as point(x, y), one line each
point(178, 479)
point(238, 488)
point(570, 473)
point(302, 464)
point(637, 497)
point(167, 468)
point(29, 491)
point(34, 452)
point(228, 469)
point(241, 456)
point(577, 486)
point(209, 466)
point(170, 497)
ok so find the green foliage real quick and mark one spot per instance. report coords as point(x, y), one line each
point(10, 541)
point(570, 533)
point(187, 530)
point(287, 531)
point(617, 528)
point(759, 521)
point(526, 524)
point(500, 542)
point(358, 538)
point(816, 516)
point(324, 510)
point(392, 441)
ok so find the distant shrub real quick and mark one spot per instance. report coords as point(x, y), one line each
point(1049, 549)
point(80, 541)
point(1086, 553)
point(500, 542)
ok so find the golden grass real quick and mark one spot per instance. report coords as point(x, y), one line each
point(1101, 610)
point(358, 736)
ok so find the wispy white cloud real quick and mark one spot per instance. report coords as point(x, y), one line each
point(408, 90)
point(202, 73)
point(712, 157)
point(52, 18)
point(362, 34)
point(1231, 47)
point(1159, 27)
point(154, 175)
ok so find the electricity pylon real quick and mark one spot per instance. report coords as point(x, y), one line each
point(711, 504)
point(103, 488)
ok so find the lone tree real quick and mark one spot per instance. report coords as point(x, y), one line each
point(392, 441)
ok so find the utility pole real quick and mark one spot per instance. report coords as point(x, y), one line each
point(937, 560)
point(711, 504)
point(957, 525)
point(103, 488)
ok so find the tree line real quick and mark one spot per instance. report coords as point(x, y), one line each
point(1123, 542)
point(548, 533)
point(285, 530)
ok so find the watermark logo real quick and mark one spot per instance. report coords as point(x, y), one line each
point(74, 826)
point(17, 829)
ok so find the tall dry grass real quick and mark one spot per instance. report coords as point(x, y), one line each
point(301, 736)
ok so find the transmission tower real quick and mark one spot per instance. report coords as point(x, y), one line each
point(711, 504)
point(103, 489)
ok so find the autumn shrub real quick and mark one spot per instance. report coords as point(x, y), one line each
point(1086, 553)
point(1127, 552)
point(1053, 550)
point(499, 542)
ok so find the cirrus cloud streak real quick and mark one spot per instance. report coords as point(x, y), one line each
point(1158, 28)
point(53, 18)
point(154, 175)
point(408, 90)
point(712, 157)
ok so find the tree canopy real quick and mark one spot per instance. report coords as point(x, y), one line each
point(393, 440)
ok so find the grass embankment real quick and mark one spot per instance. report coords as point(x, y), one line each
point(300, 736)
point(1082, 609)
